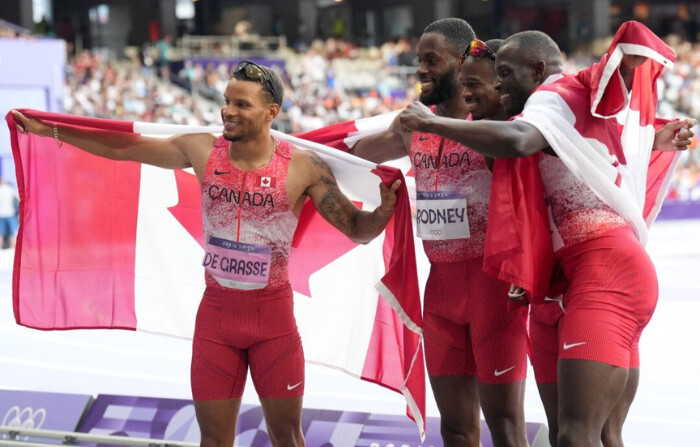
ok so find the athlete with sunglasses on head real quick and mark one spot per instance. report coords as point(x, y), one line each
point(475, 341)
point(571, 125)
point(253, 188)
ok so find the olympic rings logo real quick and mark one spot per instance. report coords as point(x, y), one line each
point(24, 418)
point(435, 232)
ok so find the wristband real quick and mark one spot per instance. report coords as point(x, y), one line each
point(59, 143)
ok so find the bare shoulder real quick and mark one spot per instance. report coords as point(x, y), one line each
point(197, 148)
point(307, 168)
point(306, 159)
point(195, 141)
point(195, 145)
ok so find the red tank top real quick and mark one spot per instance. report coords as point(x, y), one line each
point(444, 165)
point(576, 213)
point(248, 223)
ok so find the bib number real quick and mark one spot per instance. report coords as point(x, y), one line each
point(237, 265)
point(442, 215)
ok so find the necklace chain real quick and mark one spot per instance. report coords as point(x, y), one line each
point(269, 159)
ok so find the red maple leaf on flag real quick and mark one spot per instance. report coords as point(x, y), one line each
point(188, 210)
point(84, 269)
point(316, 244)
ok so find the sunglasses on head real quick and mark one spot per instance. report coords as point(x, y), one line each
point(254, 72)
point(478, 48)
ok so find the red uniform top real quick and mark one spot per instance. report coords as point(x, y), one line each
point(248, 223)
point(444, 165)
point(577, 213)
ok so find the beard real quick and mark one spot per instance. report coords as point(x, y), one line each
point(233, 138)
point(445, 88)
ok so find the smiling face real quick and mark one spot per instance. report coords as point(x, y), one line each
point(516, 79)
point(437, 70)
point(246, 111)
point(478, 79)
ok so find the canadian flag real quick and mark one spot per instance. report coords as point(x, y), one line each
point(266, 182)
point(604, 135)
point(105, 244)
point(344, 135)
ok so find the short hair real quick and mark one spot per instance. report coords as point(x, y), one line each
point(275, 91)
point(494, 44)
point(535, 45)
point(457, 33)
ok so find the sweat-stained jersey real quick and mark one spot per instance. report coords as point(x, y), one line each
point(248, 223)
point(442, 165)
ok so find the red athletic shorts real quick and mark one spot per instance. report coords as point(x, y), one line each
point(471, 327)
point(240, 328)
point(545, 321)
point(612, 294)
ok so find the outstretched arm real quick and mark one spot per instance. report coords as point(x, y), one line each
point(497, 139)
point(168, 153)
point(390, 144)
point(360, 226)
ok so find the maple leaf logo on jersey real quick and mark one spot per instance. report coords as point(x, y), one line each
point(266, 182)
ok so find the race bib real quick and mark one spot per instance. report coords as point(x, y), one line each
point(237, 265)
point(442, 215)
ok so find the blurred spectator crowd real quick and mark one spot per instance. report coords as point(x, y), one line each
point(331, 81)
point(680, 97)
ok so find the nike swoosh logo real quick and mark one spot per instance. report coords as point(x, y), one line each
point(291, 387)
point(500, 373)
point(550, 299)
point(221, 172)
point(423, 138)
point(573, 345)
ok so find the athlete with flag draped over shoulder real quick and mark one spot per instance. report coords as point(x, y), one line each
point(587, 155)
point(475, 339)
point(253, 188)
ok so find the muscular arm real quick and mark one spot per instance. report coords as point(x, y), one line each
point(171, 153)
point(387, 145)
point(321, 186)
point(497, 139)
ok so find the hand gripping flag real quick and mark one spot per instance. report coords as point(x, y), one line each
point(105, 244)
point(604, 135)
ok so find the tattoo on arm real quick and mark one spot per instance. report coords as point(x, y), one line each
point(332, 206)
point(332, 209)
point(336, 208)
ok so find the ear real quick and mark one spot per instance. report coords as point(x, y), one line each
point(538, 71)
point(462, 58)
point(273, 110)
